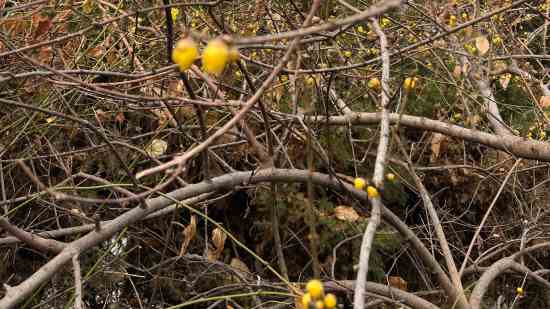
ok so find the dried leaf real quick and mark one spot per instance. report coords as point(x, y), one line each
point(119, 118)
point(346, 213)
point(88, 6)
point(218, 238)
point(466, 68)
point(457, 71)
point(43, 24)
point(96, 52)
point(436, 145)
point(239, 265)
point(505, 80)
point(188, 234)
point(397, 282)
point(482, 45)
point(157, 148)
point(46, 54)
point(544, 101)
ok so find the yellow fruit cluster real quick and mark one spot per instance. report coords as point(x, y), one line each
point(215, 57)
point(316, 298)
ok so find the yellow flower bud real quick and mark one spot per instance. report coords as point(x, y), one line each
point(372, 192)
point(319, 304)
point(409, 83)
point(184, 54)
point(359, 183)
point(330, 301)
point(306, 299)
point(452, 21)
point(174, 12)
point(215, 57)
point(374, 83)
point(314, 288)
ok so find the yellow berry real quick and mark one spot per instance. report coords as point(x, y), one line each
point(390, 176)
point(184, 54)
point(215, 56)
point(374, 83)
point(409, 83)
point(372, 192)
point(314, 288)
point(347, 54)
point(385, 22)
point(330, 301)
point(519, 291)
point(359, 183)
point(306, 299)
point(319, 304)
point(310, 81)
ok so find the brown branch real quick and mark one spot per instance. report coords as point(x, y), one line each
point(515, 145)
point(16, 294)
point(33, 240)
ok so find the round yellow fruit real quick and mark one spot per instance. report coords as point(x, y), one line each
point(215, 57)
point(520, 291)
point(314, 288)
point(184, 54)
point(359, 183)
point(374, 83)
point(372, 192)
point(319, 305)
point(330, 301)
point(390, 176)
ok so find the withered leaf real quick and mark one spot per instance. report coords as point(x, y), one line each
point(346, 213)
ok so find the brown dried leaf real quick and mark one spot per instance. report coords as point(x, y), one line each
point(43, 25)
point(457, 71)
point(157, 148)
point(188, 234)
point(45, 55)
point(218, 238)
point(96, 52)
point(436, 145)
point(119, 118)
point(544, 101)
point(482, 45)
point(346, 213)
point(473, 120)
point(397, 282)
point(466, 68)
point(505, 80)
point(239, 265)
